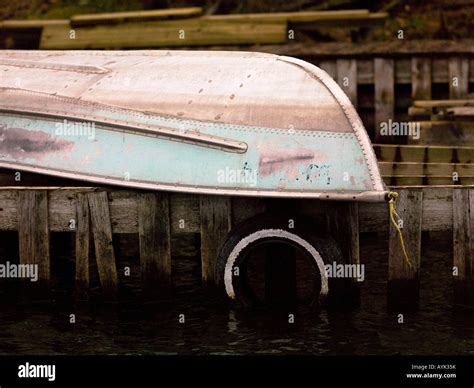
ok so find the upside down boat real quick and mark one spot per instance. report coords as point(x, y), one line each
point(230, 123)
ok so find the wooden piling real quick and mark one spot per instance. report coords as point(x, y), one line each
point(343, 224)
point(33, 233)
point(215, 212)
point(82, 246)
point(403, 279)
point(384, 80)
point(458, 70)
point(463, 245)
point(154, 237)
point(347, 78)
point(104, 250)
point(421, 78)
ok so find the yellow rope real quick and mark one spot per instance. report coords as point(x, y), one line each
point(393, 196)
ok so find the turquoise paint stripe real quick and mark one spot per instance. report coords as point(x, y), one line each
point(321, 161)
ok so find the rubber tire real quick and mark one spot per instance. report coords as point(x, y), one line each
point(325, 245)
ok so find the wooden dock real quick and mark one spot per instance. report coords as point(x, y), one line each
point(428, 83)
point(35, 212)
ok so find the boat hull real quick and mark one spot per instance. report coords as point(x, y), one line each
point(198, 122)
point(277, 163)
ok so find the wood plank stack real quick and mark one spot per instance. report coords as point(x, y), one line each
point(416, 165)
point(181, 27)
point(443, 154)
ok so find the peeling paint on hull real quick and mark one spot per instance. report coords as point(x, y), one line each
point(19, 143)
point(133, 160)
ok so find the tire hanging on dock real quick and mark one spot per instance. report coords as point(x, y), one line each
point(267, 229)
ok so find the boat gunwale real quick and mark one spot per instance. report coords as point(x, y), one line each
point(342, 195)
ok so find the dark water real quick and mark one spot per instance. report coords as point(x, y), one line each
point(212, 327)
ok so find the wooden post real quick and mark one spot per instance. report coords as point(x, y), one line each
point(420, 78)
point(347, 78)
point(403, 281)
point(104, 250)
point(463, 244)
point(33, 233)
point(458, 77)
point(343, 222)
point(329, 67)
point(384, 80)
point(215, 224)
point(155, 241)
point(82, 246)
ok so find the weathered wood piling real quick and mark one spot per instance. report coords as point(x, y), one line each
point(82, 227)
point(463, 244)
point(404, 270)
point(33, 235)
point(104, 250)
point(154, 238)
point(215, 215)
point(343, 223)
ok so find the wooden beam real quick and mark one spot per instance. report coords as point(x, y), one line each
point(104, 250)
point(27, 24)
point(354, 21)
point(444, 133)
point(396, 48)
point(384, 79)
point(169, 33)
point(140, 16)
point(403, 281)
point(422, 153)
point(426, 169)
point(437, 212)
point(155, 241)
point(298, 17)
point(457, 112)
point(347, 78)
point(215, 213)
point(33, 234)
point(443, 103)
point(82, 222)
point(463, 244)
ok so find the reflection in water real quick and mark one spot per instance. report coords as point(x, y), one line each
point(214, 327)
